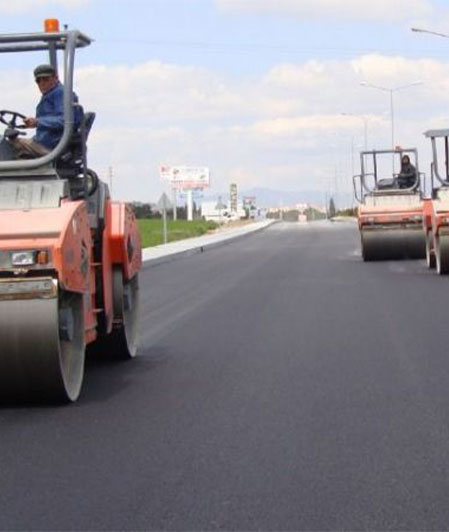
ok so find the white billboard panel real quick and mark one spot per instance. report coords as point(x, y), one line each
point(186, 177)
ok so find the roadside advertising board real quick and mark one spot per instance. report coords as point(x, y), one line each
point(249, 202)
point(185, 177)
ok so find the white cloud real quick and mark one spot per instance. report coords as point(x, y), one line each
point(291, 127)
point(25, 6)
point(344, 9)
point(284, 129)
point(309, 75)
point(157, 91)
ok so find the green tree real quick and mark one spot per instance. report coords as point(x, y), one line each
point(141, 210)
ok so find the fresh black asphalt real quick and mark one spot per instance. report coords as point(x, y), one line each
point(282, 384)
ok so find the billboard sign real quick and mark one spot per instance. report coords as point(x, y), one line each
point(185, 177)
point(249, 202)
point(233, 196)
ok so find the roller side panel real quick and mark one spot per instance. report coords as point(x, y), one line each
point(66, 234)
point(124, 237)
point(73, 253)
point(64, 231)
point(427, 215)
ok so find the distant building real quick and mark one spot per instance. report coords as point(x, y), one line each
point(209, 211)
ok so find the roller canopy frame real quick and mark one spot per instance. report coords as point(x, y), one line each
point(67, 41)
point(433, 135)
point(362, 189)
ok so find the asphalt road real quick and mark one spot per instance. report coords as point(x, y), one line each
point(282, 384)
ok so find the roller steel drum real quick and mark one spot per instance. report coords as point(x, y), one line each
point(442, 254)
point(42, 348)
point(393, 244)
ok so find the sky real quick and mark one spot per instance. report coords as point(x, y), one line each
point(266, 93)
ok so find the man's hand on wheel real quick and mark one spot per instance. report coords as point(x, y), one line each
point(30, 122)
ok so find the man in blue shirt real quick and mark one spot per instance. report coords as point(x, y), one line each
point(49, 120)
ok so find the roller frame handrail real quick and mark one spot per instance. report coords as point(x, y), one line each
point(366, 190)
point(68, 41)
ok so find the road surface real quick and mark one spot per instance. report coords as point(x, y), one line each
point(282, 384)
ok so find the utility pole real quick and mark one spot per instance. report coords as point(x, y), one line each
point(174, 204)
point(189, 204)
point(111, 175)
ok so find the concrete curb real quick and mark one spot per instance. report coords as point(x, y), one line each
point(155, 255)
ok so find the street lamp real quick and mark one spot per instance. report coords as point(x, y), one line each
point(420, 30)
point(365, 124)
point(391, 90)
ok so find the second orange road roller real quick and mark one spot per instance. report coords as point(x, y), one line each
point(69, 255)
point(436, 221)
point(390, 212)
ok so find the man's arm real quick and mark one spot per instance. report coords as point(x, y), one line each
point(53, 118)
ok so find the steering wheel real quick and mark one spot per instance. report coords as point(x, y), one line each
point(12, 122)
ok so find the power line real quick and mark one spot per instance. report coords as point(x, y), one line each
point(227, 47)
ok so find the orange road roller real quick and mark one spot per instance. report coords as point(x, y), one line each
point(390, 212)
point(69, 255)
point(436, 221)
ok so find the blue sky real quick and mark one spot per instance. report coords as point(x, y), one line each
point(199, 32)
point(255, 89)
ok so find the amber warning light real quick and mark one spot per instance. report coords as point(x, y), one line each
point(51, 25)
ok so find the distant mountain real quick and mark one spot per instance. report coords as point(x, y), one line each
point(267, 197)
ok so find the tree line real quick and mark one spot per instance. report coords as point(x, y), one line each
point(149, 211)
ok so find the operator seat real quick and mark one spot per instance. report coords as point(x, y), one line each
point(387, 184)
point(70, 164)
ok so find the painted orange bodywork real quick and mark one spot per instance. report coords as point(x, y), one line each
point(124, 238)
point(427, 214)
point(437, 214)
point(65, 232)
point(369, 216)
point(440, 221)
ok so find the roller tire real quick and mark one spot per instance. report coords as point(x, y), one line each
point(430, 251)
point(442, 254)
point(122, 342)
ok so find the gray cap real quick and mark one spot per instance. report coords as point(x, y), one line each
point(43, 71)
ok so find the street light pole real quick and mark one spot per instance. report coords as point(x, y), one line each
point(420, 30)
point(391, 90)
point(392, 119)
point(365, 132)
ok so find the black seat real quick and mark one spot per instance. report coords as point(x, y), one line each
point(386, 184)
point(73, 162)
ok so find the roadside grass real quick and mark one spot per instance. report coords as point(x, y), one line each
point(152, 231)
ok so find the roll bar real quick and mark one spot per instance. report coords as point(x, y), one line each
point(31, 42)
point(364, 188)
point(67, 41)
point(358, 192)
point(434, 134)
